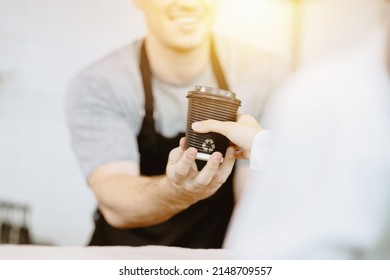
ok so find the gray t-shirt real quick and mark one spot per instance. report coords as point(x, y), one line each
point(105, 103)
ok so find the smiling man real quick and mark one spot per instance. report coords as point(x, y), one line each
point(127, 114)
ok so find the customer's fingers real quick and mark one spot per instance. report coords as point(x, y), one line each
point(248, 119)
point(212, 125)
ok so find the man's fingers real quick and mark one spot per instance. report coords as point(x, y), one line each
point(184, 164)
point(214, 174)
point(182, 143)
point(225, 168)
point(175, 155)
point(206, 175)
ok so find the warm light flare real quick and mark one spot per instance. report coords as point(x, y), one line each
point(263, 23)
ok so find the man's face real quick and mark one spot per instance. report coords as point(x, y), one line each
point(179, 24)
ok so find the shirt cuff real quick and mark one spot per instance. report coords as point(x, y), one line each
point(260, 149)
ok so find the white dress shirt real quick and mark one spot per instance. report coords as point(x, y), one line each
point(320, 188)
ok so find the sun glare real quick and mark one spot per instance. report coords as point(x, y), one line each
point(263, 23)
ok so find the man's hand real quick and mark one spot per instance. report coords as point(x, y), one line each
point(129, 200)
point(183, 175)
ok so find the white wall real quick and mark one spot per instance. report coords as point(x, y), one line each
point(43, 43)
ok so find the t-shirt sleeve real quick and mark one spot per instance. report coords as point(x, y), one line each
point(100, 130)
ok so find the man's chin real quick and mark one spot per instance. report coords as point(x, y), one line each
point(184, 48)
point(187, 45)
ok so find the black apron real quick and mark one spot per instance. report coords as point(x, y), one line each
point(202, 225)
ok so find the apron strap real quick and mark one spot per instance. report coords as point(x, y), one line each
point(147, 82)
point(218, 72)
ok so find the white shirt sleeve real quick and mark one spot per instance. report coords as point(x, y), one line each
point(260, 150)
point(320, 180)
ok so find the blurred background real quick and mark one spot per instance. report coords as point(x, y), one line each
point(44, 43)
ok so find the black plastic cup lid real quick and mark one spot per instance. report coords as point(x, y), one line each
point(216, 91)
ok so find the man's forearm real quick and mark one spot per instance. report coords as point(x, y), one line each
point(134, 201)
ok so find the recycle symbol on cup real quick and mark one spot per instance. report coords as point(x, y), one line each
point(208, 145)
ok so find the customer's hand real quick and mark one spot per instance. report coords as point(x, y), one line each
point(183, 175)
point(241, 133)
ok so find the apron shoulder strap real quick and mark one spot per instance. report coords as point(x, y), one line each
point(146, 74)
point(218, 72)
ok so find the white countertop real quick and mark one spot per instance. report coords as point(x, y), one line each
point(32, 252)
